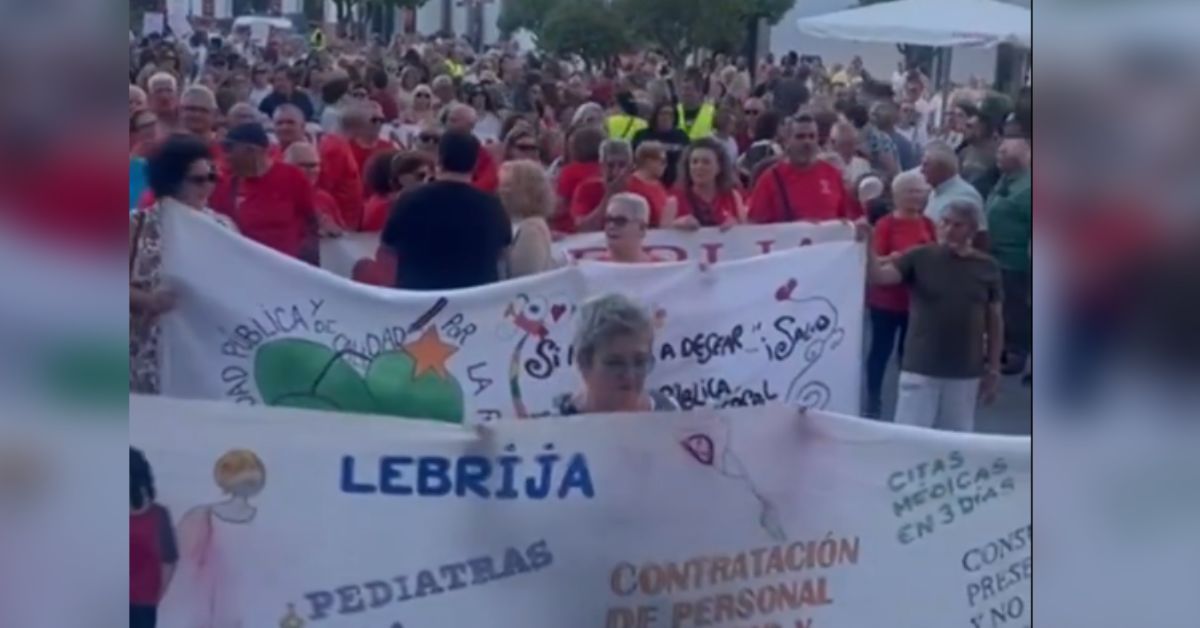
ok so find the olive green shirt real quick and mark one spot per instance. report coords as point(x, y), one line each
point(949, 299)
point(1009, 211)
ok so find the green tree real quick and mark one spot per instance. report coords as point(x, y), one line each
point(584, 27)
point(680, 27)
point(527, 14)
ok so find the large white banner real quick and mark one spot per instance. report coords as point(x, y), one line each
point(254, 327)
point(357, 256)
point(748, 517)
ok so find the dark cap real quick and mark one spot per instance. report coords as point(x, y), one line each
point(249, 133)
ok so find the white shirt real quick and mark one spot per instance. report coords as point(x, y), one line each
point(487, 128)
point(258, 94)
point(951, 190)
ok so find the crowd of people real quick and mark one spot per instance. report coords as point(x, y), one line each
point(472, 162)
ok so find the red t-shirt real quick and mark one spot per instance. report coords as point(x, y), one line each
point(276, 209)
point(721, 209)
point(341, 177)
point(487, 174)
point(814, 194)
point(327, 206)
point(588, 196)
point(573, 174)
point(391, 108)
point(655, 195)
point(894, 234)
point(363, 154)
point(151, 545)
point(376, 213)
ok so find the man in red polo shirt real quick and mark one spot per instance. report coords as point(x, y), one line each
point(305, 157)
point(361, 124)
point(461, 118)
point(271, 202)
point(802, 187)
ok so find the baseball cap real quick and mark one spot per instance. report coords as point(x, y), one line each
point(248, 133)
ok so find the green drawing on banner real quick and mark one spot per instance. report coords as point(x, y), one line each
point(412, 382)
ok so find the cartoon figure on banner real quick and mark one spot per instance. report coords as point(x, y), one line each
point(209, 578)
point(823, 333)
point(413, 381)
point(527, 318)
point(725, 461)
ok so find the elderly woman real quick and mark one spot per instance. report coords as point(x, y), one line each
point(181, 175)
point(905, 228)
point(526, 195)
point(626, 218)
point(614, 348)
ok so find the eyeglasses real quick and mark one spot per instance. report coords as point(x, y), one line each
point(618, 221)
point(429, 138)
point(639, 365)
point(423, 95)
point(202, 179)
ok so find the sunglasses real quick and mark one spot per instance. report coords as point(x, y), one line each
point(202, 179)
point(525, 148)
point(618, 221)
point(429, 138)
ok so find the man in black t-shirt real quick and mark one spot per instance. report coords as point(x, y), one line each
point(448, 234)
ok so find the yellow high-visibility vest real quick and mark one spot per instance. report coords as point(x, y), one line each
point(456, 69)
point(318, 39)
point(624, 127)
point(702, 126)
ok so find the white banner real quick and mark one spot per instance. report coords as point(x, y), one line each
point(255, 327)
point(354, 254)
point(750, 517)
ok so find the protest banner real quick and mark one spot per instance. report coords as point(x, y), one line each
point(255, 327)
point(178, 12)
point(355, 255)
point(746, 517)
point(153, 22)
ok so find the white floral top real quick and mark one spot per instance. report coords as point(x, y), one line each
point(144, 275)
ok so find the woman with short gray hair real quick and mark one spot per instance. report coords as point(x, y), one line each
point(614, 349)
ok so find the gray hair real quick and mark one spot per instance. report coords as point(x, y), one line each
point(165, 78)
point(631, 205)
point(603, 318)
point(909, 179)
point(586, 109)
point(967, 210)
point(615, 148)
point(941, 153)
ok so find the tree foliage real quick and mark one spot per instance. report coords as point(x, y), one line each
point(674, 27)
point(583, 27)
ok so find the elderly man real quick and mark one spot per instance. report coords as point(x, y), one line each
point(843, 139)
point(940, 167)
point(304, 156)
point(288, 123)
point(164, 98)
point(801, 187)
point(198, 113)
point(590, 199)
point(1010, 226)
point(461, 118)
point(137, 99)
point(362, 124)
point(241, 113)
point(271, 202)
point(955, 311)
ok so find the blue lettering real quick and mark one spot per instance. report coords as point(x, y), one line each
point(455, 573)
point(514, 563)
point(349, 484)
point(433, 477)
point(482, 570)
point(532, 489)
point(472, 472)
point(321, 602)
point(389, 475)
point(577, 476)
point(539, 555)
point(508, 484)
point(402, 586)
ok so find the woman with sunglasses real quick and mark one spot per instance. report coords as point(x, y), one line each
point(626, 220)
point(181, 175)
point(614, 348)
point(522, 144)
point(422, 110)
point(389, 174)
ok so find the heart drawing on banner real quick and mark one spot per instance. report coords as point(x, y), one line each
point(785, 291)
point(700, 446)
point(556, 311)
